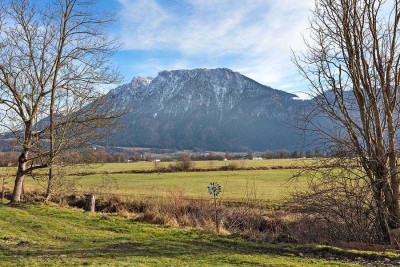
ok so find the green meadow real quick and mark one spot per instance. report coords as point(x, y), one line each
point(198, 164)
point(271, 186)
point(45, 235)
point(40, 235)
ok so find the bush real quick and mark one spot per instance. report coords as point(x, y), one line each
point(230, 166)
point(336, 207)
point(183, 164)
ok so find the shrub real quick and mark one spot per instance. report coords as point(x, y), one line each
point(183, 164)
point(230, 166)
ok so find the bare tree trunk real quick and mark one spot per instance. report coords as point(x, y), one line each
point(3, 184)
point(394, 208)
point(22, 168)
point(49, 183)
point(52, 98)
point(19, 180)
point(382, 222)
point(51, 150)
point(381, 216)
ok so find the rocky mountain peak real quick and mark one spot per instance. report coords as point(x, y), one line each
point(140, 81)
point(199, 73)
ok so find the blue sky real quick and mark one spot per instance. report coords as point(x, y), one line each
point(254, 37)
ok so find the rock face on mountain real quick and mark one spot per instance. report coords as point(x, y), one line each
point(211, 109)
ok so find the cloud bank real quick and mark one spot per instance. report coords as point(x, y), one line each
point(253, 37)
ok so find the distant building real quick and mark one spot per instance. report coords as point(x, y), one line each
point(156, 160)
point(257, 158)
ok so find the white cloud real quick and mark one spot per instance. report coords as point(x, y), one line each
point(254, 37)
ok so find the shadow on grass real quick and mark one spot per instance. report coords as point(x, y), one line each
point(195, 249)
point(161, 243)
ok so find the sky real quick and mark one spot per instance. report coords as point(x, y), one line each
point(253, 37)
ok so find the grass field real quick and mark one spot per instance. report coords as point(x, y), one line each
point(144, 165)
point(39, 235)
point(201, 164)
point(42, 235)
point(271, 186)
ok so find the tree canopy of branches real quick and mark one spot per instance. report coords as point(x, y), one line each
point(352, 64)
point(54, 59)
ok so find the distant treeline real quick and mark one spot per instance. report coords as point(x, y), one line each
point(104, 155)
point(285, 154)
point(10, 159)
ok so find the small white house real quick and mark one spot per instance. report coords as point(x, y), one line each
point(257, 158)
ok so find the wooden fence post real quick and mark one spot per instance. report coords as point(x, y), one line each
point(90, 202)
point(3, 185)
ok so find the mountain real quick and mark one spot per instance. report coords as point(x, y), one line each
point(211, 109)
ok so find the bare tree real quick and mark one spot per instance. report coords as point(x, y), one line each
point(352, 65)
point(54, 58)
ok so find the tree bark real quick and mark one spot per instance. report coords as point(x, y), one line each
point(382, 216)
point(3, 184)
point(22, 159)
point(19, 180)
point(49, 183)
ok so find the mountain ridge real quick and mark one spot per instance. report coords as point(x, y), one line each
point(205, 108)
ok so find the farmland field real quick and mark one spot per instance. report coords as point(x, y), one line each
point(145, 165)
point(271, 185)
point(203, 164)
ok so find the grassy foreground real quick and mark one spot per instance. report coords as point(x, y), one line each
point(40, 235)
